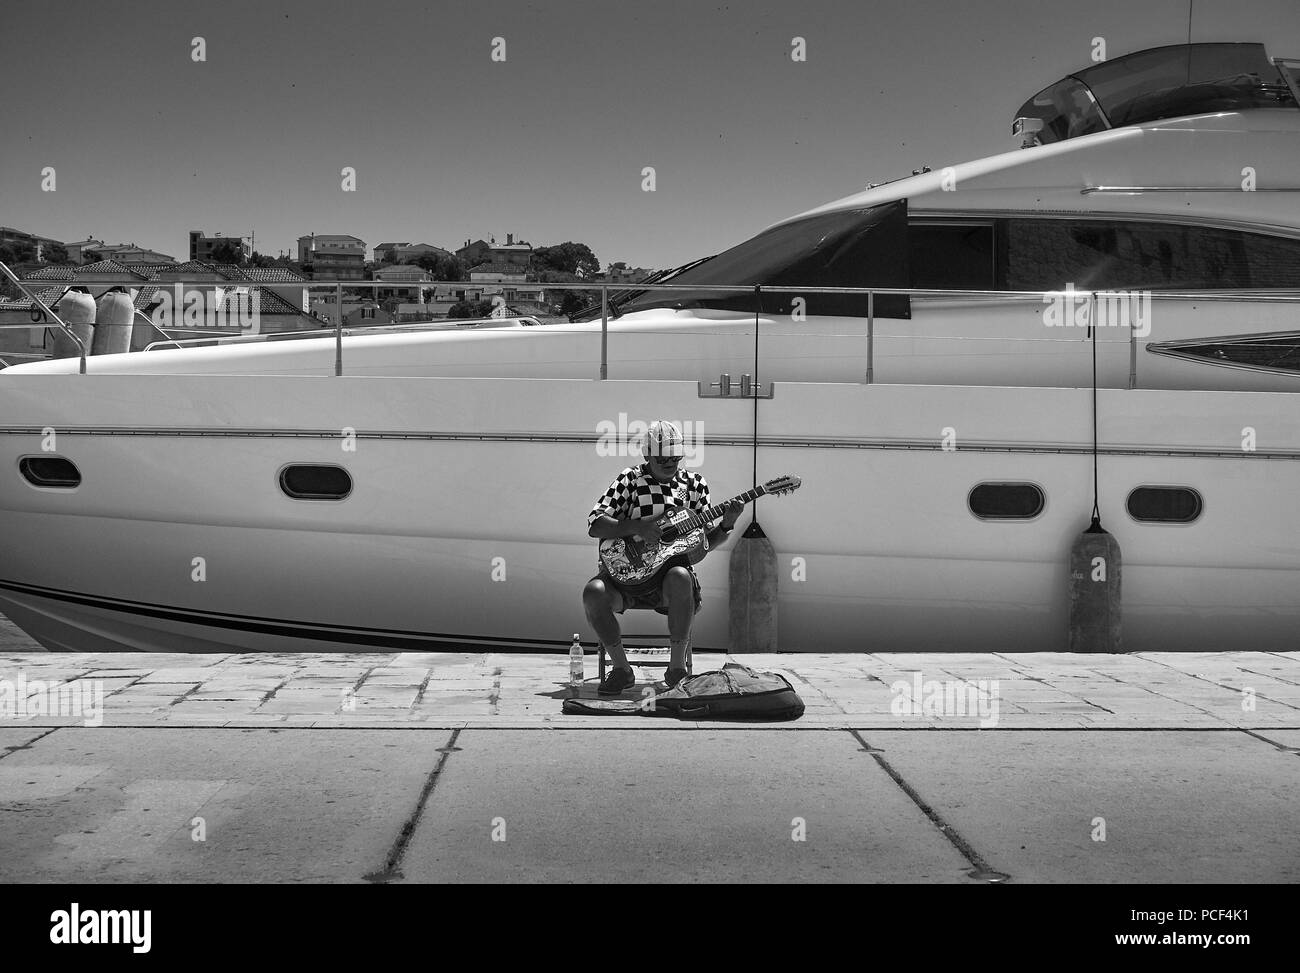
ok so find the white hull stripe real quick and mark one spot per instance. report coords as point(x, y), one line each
point(767, 442)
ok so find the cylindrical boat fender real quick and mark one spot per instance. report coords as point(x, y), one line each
point(113, 320)
point(753, 592)
point(1095, 591)
point(77, 309)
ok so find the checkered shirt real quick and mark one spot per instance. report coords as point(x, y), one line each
point(636, 495)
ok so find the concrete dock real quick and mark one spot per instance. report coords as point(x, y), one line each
point(441, 767)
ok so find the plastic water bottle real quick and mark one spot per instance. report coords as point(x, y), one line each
point(576, 674)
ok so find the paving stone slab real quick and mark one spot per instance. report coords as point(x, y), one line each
point(118, 806)
point(1188, 806)
point(609, 807)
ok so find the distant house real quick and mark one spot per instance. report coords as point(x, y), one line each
point(128, 253)
point(474, 253)
point(623, 274)
point(405, 278)
point(505, 279)
point(406, 252)
point(201, 245)
point(415, 251)
point(517, 254)
point(384, 249)
point(77, 251)
point(358, 312)
point(20, 238)
point(333, 256)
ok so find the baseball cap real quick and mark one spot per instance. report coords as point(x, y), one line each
point(663, 438)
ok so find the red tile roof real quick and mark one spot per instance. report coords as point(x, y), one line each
point(273, 275)
point(273, 303)
point(49, 295)
point(110, 267)
point(499, 268)
point(270, 302)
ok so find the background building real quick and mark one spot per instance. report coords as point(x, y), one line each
point(406, 280)
point(201, 246)
point(124, 253)
point(406, 252)
point(512, 252)
point(333, 256)
point(20, 240)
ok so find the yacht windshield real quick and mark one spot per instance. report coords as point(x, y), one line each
point(849, 248)
point(1166, 82)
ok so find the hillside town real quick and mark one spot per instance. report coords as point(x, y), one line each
point(332, 278)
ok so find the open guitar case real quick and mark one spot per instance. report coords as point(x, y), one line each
point(734, 692)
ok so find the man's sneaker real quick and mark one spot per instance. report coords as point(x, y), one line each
point(617, 681)
point(673, 676)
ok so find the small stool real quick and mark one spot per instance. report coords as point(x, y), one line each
point(630, 650)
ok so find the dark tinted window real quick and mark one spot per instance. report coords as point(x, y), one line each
point(1006, 501)
point(303, 482)
point(49, 471)
point(955, 257)
point(1186, 79)
point(847, 248)
point(1166, 505)
point(1047, 254)
point(1273, 261)
point(1260, 351)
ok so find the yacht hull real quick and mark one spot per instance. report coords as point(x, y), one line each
point(180, 539)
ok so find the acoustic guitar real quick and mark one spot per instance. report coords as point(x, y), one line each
point(634, 563)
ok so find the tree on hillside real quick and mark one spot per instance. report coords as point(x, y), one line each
point(13, 254)
point(442, 268)
point(567, 258)
point(227, 253)
point(55, 253)
point(574, 301)
point(470, 309)
point(18, 253)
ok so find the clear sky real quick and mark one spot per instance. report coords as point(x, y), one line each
point(550, 144)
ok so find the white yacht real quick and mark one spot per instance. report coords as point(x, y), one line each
point(429, 489)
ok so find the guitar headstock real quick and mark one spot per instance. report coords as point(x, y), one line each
point(782, 484)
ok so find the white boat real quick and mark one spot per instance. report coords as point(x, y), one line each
point(426, 489)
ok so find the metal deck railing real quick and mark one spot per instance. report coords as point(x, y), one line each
point(340, 330)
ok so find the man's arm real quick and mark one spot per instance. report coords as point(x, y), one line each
point(699, 501)
point(605, 527)
point(720, 533)
point(604, 521)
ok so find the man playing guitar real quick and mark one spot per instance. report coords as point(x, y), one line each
point(634, 501)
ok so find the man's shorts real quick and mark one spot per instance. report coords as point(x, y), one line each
point(652, 599)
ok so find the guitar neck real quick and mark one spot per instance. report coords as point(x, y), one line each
point(713, 513)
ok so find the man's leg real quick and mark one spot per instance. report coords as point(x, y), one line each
point(679, 592)
point(597, 599)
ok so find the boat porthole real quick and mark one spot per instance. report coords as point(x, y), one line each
point(50, 472)
point(1165, 505)
point(1006, 501)
point(302, 481)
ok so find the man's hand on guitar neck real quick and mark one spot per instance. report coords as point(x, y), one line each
point(730, 514)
